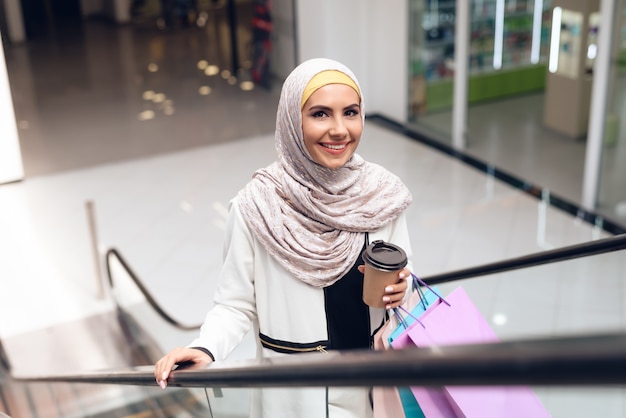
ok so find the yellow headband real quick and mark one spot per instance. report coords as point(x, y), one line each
point(324, 78)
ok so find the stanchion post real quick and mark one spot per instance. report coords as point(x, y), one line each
point(93, 234)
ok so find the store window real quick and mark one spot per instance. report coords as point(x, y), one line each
point(516, 117)
point(508, 51)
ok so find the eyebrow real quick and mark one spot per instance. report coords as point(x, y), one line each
point(323, 107)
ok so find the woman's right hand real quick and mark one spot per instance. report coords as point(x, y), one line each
point(164, 366)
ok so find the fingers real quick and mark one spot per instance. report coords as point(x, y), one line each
point(164, 366)
point(392, 298)
point(394, 294)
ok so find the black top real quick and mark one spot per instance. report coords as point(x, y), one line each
point(347, 316)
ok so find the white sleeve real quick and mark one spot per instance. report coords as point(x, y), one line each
point(399, 235)
point(230, 319)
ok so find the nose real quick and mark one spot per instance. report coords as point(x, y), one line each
point(338, 129)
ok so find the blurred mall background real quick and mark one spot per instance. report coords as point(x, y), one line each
point(523, 99)
point(159, 110)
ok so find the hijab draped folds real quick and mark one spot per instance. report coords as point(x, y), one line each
point(310, 218)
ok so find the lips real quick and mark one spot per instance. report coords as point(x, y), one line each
point(335, 147)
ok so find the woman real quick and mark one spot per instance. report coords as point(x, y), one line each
point(292, 265)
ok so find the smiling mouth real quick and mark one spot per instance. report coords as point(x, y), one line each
point(336, 147)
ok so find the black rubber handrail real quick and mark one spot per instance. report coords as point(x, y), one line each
point(586, 249)
point(112, 252)
point(575, 360)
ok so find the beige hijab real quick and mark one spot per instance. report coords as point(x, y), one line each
point(310, 218)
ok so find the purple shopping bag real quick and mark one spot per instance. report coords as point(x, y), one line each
point(459, 322)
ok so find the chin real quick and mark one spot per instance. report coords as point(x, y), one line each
point(333, 165)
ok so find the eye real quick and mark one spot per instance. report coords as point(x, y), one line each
point(352, 112)
point(319, 114)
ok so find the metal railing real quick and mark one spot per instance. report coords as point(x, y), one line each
point(113, 253)
point(576, 360)
point(586, 249)
point(567, 361)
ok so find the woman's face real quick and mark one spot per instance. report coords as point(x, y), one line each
point(332, 125)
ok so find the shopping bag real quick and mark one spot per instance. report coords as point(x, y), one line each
point(392, 402)
point(406, 314)
point(456, 320)
point(418, 302)
point(400, 402)
point(409, 404)
point(416, 305)
point(432, 401)
point(386, 399)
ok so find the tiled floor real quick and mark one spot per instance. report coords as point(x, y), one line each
point(164, 209)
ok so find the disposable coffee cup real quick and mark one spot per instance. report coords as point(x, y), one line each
point(382, 261)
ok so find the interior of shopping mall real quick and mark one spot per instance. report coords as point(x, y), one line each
point(135, 136)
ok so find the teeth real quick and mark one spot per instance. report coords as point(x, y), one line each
point(335, 147)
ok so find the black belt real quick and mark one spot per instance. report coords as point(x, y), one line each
point(289, 347)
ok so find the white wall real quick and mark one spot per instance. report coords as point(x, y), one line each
point(370, 37)
point(11, 168)
point(388, 57)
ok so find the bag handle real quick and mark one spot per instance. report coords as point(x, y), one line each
point(419, 290)
point(417, 283)
point(421, 282)
point(401, 319)
point(422, 297)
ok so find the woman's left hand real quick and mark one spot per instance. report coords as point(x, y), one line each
point(394, 294)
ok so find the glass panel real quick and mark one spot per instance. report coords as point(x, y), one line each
point(575, 297)
point(100, 400)
point(431, 55)
point(225, 402)
point(520, 119)
point(612, 180)
point(508, 55)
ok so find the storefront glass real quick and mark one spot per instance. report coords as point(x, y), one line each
point(508, 54)
point(529, 90)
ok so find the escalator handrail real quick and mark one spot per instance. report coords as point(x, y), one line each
point(586, 249)
point(112, 252)
point(565, 361)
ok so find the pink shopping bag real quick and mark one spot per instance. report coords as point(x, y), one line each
point(432, 401)
point(459, 322)
point(386, 400)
